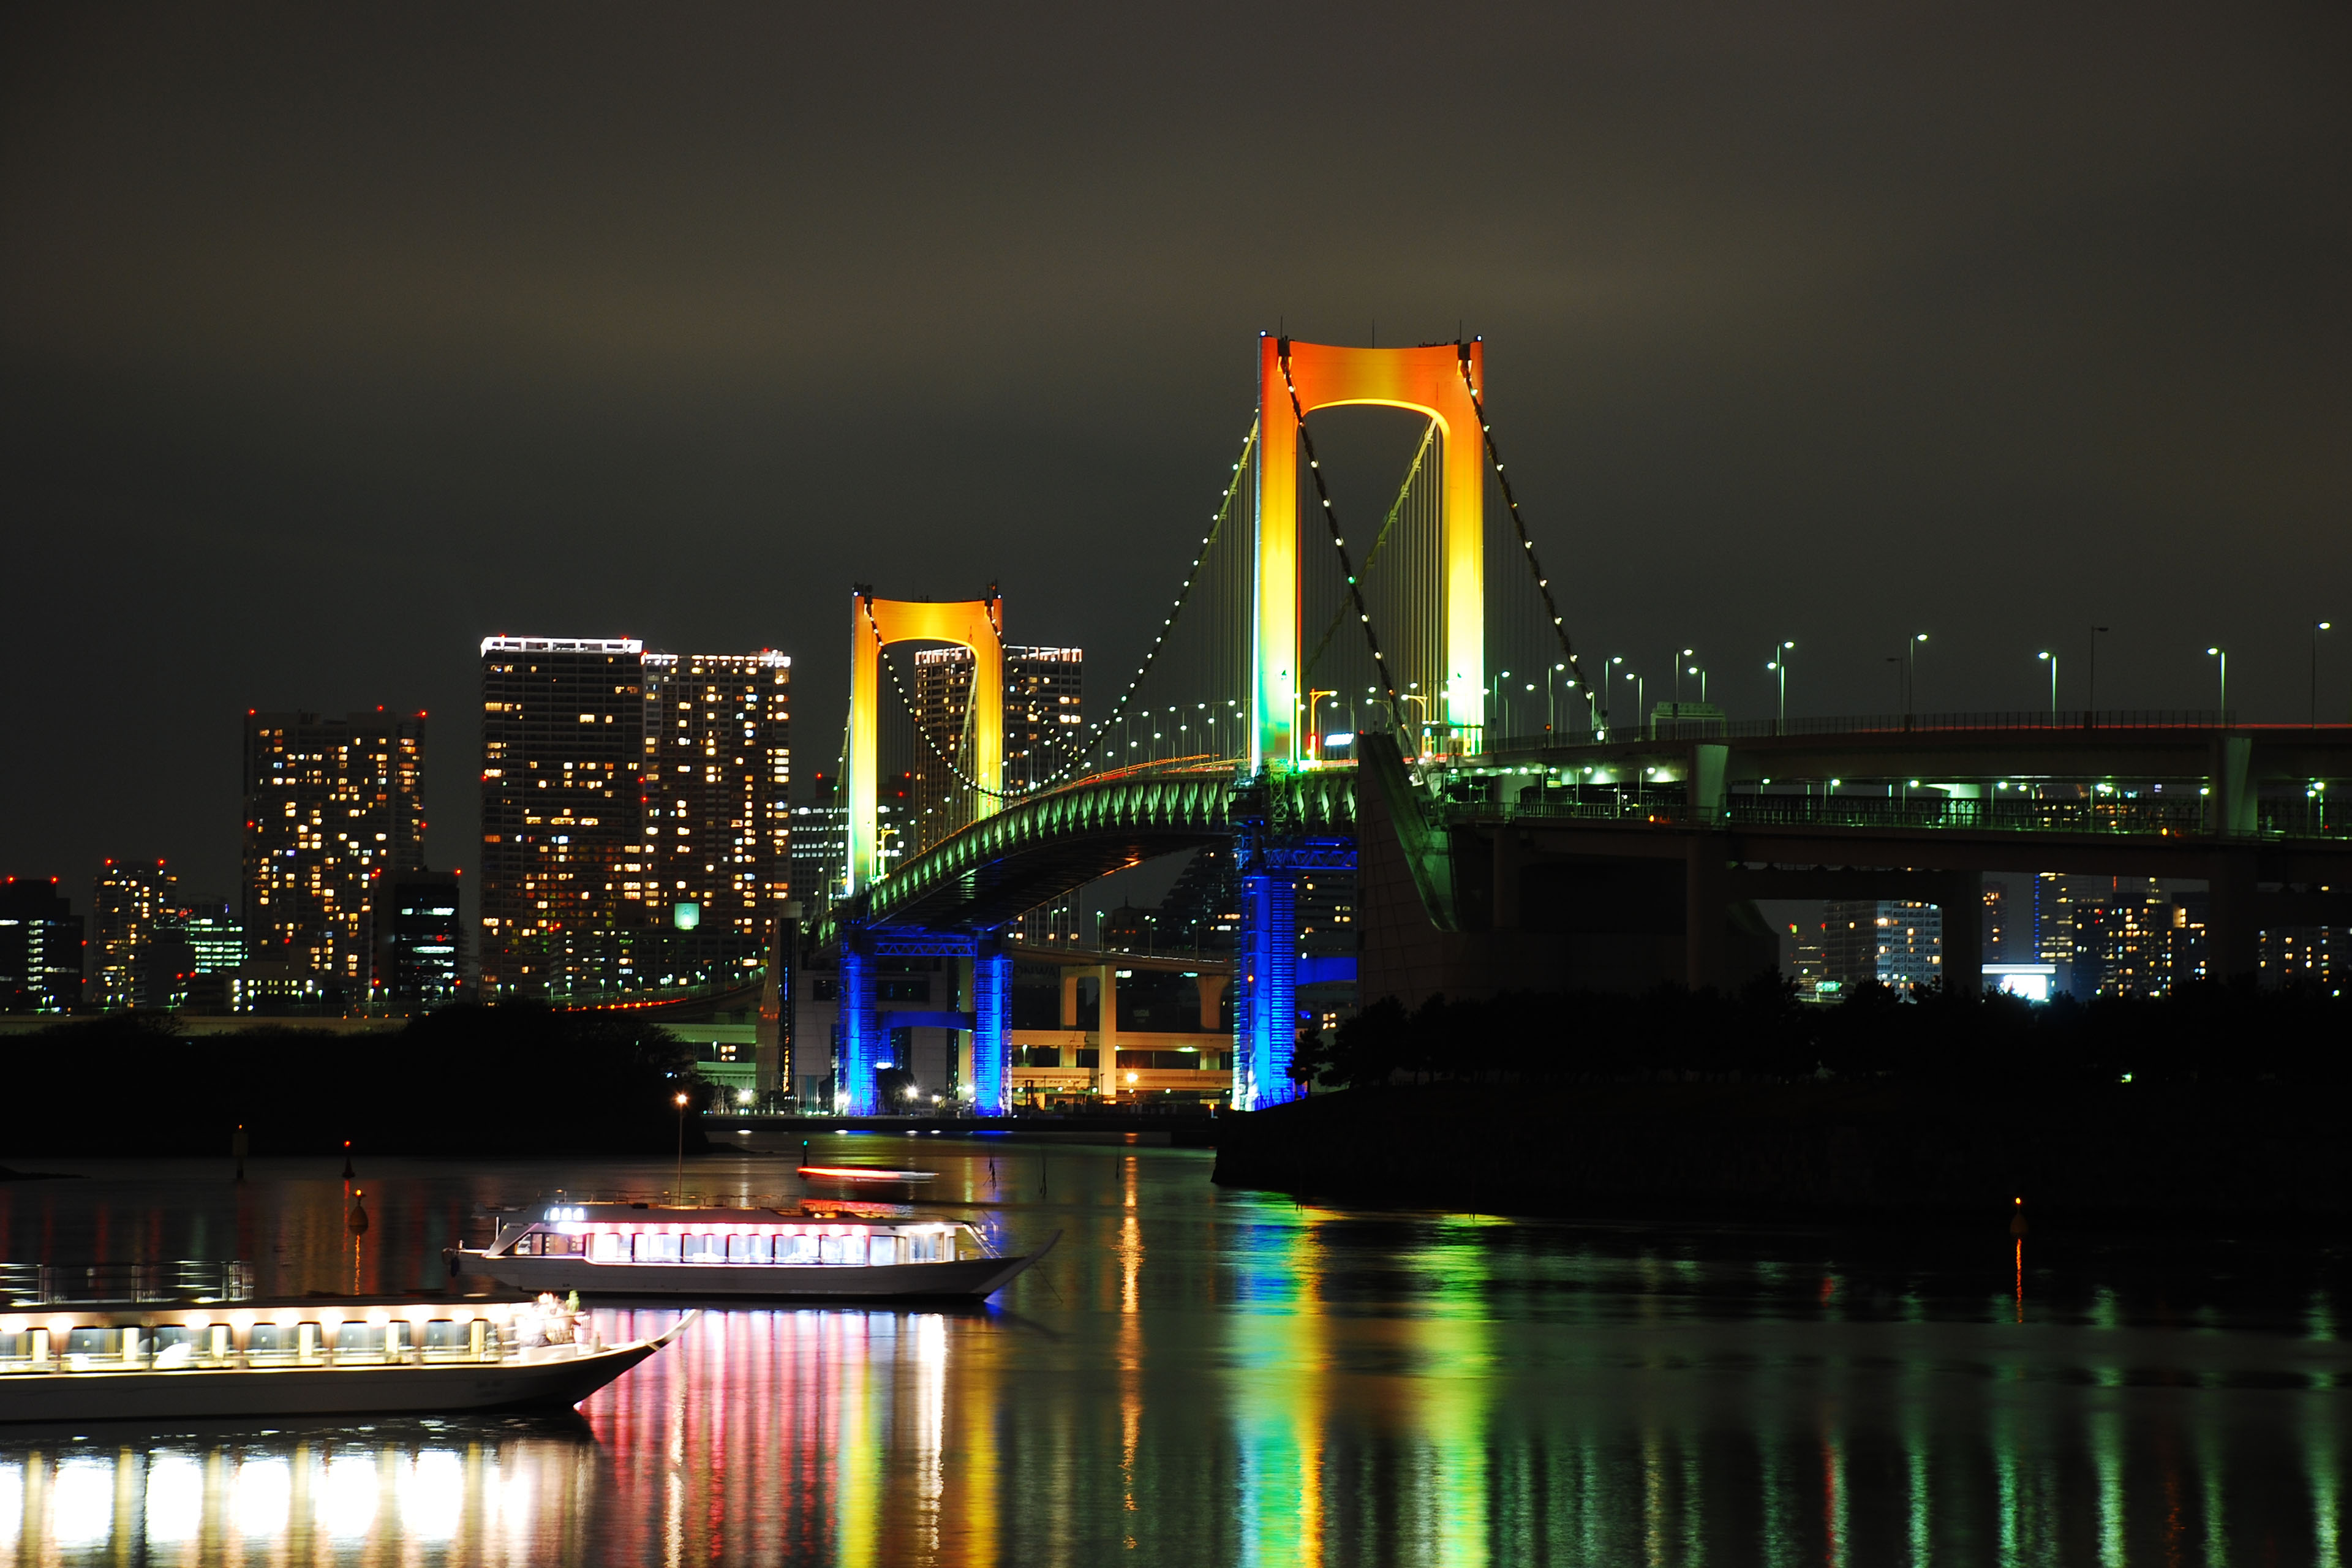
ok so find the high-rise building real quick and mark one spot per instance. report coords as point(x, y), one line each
point(820, 845)
point(717, 739)
point(329, 804)
point(194, 948)
point(419, 940)
point(1809, 963)
point(125, 904)
point(567, 871)
point(1896, 943)
point(1202, 912)
point(41, 947)
point(2123, 938)
point(1043, 688)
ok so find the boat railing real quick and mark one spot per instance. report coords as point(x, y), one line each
point(98, 1284)
point(317, 1339)
point(789, 1202)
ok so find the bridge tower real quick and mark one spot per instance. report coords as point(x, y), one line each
point(977, 625)
point(1294, 380)
point(1429, 381)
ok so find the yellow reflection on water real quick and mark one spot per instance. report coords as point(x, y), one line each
point(340, 1496)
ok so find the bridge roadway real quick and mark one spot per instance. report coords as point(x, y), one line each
point(1509, 853)
point(1493, 843)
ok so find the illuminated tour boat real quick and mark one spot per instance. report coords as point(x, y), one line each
point(644, 1249)
point(318, 1355)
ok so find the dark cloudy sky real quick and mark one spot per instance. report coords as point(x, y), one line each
point(333, 338)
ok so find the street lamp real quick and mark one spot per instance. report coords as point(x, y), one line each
point(1779, 664)
point(1315, 696)
point(1552, 711)
point(1641, 698)
point(1678, 674)
point(2317, 627)
point(678, 1185)
point(1911, 673)
point(1699, 671)
point(2052, 658)
point(2223, 654)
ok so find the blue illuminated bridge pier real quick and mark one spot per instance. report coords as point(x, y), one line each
point(1327, 696)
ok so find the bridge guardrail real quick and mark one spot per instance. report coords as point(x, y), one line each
point(1870, 723)
point(2165, 818)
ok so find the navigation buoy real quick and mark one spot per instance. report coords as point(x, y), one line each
point(347, 1159)
point(2017, 1226)
point(356, 1221)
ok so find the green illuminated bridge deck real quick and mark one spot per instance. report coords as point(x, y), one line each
point(2120, 789)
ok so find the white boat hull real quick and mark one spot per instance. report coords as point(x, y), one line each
point(966, 1279)
point(545, 1378)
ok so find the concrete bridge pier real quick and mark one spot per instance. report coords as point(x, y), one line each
point(1959, 899)
point(1707, 906)
point(1213, 999)
point(2234, 926)
point(1106, 1030)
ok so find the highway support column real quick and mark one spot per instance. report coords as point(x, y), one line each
point(1107, 1032)
point(1961, 905)
point(1706, 910)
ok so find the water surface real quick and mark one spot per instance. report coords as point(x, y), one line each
point(1205, 1377)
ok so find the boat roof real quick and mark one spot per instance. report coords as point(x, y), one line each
point(565, 1213)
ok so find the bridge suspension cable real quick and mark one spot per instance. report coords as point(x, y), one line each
point(1084, 739)
point(1527, 544)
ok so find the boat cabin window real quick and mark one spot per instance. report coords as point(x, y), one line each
point(609, 1249)
point(703, 1249)
point(442, 1334)
point(540, 1244)
point(747, 1249)
point(656, 1249)
point(367, 1339)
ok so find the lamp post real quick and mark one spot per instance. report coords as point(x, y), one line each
point(1551, 711)
point(1502, 704)
point(2223, 654)
point(678, 1181)
point(1641, 698)
point(2317, 627)
point(1678, 676)
point(1779, 664)
point(1315, 696)
point(1911, 673)
point(2053, 661)
point(1699, 671)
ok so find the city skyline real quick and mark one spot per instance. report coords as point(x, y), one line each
point(2029, 357)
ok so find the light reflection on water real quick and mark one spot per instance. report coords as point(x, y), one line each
point(1204, 1378)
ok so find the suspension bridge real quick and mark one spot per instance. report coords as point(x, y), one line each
point(1543, 856)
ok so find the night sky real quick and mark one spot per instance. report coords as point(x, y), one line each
point(331, 341)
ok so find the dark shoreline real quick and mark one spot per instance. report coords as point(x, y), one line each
point(2200, 1158)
